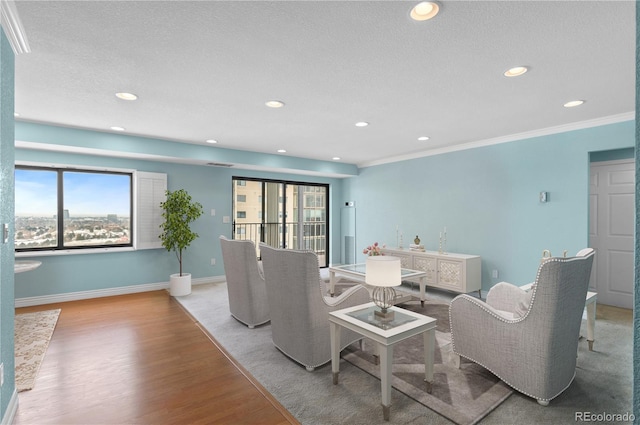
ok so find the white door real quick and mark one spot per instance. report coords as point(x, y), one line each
point(611, 233)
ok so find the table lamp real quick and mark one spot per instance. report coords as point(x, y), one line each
point(383, 273)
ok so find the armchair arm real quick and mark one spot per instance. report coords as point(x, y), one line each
point(505, 296)
point(355, 295)
point(484, 334)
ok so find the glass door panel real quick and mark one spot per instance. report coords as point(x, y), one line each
point(282, 214)
point(272, 220)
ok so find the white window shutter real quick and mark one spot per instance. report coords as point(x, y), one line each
point(150, 191)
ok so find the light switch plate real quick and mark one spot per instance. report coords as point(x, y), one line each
point(544, 197)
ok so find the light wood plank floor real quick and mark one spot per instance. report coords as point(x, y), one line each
point(140, 359)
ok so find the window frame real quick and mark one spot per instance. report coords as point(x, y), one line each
point(83, 249)
point(317, 189)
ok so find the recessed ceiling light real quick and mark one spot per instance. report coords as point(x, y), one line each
point(115, 128)
point(424, 11)
point(211, 141)
point(573, 103)
point(126, 96)
point(336, 158)
point(282, 150)
point(362, 124)
point(515, 71)
point(274, 104)
point(423, 138)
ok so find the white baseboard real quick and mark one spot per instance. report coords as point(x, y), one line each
point(12, 409)
point(108, 292)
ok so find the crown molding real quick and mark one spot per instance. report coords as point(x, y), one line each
point(13, 27)
point(627, 116)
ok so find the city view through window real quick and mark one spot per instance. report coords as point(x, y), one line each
point(90, 209)
point(288, 215)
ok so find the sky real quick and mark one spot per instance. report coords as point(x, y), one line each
point(85, 194)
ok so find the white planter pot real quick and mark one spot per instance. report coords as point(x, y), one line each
point(179, 285)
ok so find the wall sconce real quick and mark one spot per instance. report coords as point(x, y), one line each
point(544, 197)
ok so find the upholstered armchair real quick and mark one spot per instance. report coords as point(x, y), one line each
point(528, 339)
point(245, 282)
point(299, 307)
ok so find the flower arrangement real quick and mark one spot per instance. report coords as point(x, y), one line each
point(374, 249)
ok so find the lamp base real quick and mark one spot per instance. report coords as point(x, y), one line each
point(383, 315)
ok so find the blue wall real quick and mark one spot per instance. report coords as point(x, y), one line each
point(211, 186)
point(6, 216)
point(487, 198)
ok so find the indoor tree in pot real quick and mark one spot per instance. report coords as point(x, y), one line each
point(178, 211)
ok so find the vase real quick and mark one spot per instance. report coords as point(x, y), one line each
point(179, 285)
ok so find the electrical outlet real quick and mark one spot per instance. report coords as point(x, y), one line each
point(213, 212)
point(494, 274)
point(226, 219)
point(213, 261)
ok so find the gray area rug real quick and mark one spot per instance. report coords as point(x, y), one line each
point(465, 395)
point(603, 382)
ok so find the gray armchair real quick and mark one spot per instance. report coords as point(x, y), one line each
point(245, 282)
point(299, 308)
point(528, 339)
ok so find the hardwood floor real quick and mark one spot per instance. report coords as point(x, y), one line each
point(140, 359)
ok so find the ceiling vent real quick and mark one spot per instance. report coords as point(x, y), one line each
point(219, 164)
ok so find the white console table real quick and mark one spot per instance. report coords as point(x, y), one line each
point(459, 273)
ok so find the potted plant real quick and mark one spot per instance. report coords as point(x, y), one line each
point(178, 211)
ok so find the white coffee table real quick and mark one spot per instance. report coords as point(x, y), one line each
point(358, 273)
point(406, 324)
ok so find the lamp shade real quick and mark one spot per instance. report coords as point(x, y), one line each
point(383, 270)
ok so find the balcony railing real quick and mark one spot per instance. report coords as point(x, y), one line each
point(313, 237)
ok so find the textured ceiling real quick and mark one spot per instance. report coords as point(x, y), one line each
point(204, 69)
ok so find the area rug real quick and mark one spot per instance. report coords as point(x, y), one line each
point(33, 332)
point(464, 395)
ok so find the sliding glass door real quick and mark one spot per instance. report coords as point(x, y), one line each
point(290, 215)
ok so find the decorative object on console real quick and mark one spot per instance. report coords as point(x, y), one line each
point(373, 249)
point(442, 244)
point(415, 246)
point(383, 273)
point(546, 254)
point(398, 237)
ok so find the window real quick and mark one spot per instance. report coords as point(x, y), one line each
point(59, 208)
point(289, 214)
